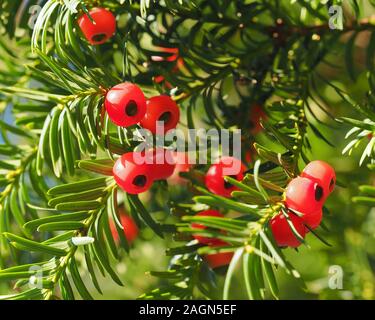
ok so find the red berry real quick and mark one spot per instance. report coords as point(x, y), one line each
point(322, 173)
point(103, 28)
point(125, 104)
point(304, 196)
point(163, 109)
point(282, 232)
point(130, 176)
point(226, 166)
point(182, 165)
point(206, 240)
point(217, 260)
point(130, 228)
point(172, 57)
point(161, 161)
point(161, 80)
point(256, 114)
point(248, 156)
point(313, 220)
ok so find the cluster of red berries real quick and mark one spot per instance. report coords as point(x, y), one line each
point(214, 178)
point(102, 28)
point(135, 172)
point(130, 228)
point(214, 260)
point(126, 105)
point(304, 199)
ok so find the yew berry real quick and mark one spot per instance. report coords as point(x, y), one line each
point(172, 57)
point(160, 79)
point(226, 166)
point(282, 231)
point(182, 165)
point(130, 228)
point(216, 260)
point(161, 161)
point(313, 220)
point(256, 115)
point(322, 173)
point(102, 29)
point(130, 176)
point(125, 104)
point(161, 109)
point(304, 196)
point(248, 156)
point(206, 240)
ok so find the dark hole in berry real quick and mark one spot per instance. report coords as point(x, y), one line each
point(131, 108)
point(251, 124)
point(228, 185)
point(165, 117)
point(98, 37)
point(318, 193)
point(140, 181)
point(331, 184)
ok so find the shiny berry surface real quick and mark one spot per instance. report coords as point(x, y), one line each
point(103, 28)
point(226, 166)
point(125, 104)
point(161, 161)
point(282, 232)
point(161, 109)
point(207, 240)
point(313, 220)
point(322, 173)
point(304, 196)
point(130, 176)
